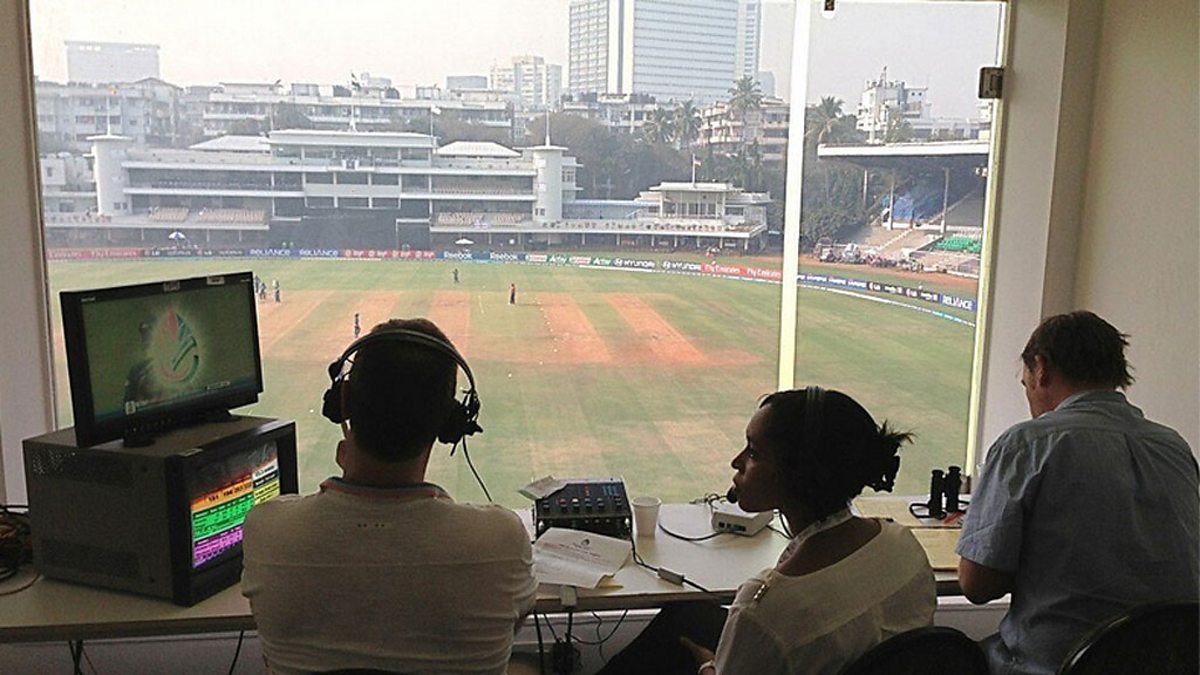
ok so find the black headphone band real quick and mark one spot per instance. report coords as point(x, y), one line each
point(402, 335)
point(814, 408)
point(462, 418)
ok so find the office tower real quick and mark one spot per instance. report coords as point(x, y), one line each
point(749, 36)
point(101, 62)
point(669, 50)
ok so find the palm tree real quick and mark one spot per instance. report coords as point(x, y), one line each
point(898, 131)
point(745, 96)
point(687, 124)
point(824, 118)
point(660, 128)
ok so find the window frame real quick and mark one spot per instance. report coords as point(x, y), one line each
point(1039, 182)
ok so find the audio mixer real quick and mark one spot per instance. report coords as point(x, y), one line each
point(597, 505)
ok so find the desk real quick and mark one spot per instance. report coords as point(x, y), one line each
point(54, 610)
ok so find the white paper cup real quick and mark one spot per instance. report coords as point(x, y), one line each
point(645, 515)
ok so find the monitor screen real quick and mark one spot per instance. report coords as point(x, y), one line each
point(222, 492)
point(142, 354)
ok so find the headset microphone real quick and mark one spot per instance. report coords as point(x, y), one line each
point(731, 496)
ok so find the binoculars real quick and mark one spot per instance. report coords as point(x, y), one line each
point(943, 492)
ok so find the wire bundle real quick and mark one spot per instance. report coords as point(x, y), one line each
point(16, 541)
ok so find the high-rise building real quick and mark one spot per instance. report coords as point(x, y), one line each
point(749, 37)
point(103, 62)
point(535, 84)
point(587, 60)
point(670, 50)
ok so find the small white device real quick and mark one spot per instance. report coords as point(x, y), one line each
point(731, 518)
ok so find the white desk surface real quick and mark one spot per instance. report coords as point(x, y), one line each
point(53, 610)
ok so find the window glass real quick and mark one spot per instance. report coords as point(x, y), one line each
point(607, 255)
point(896, 158)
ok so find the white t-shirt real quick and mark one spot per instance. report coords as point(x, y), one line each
point(398, 579)
point(817, 623)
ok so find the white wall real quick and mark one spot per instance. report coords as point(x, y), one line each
point(1139, 250)
point(25, 402)
point(1097, 195)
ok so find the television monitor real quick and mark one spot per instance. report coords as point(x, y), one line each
point(163, 520)
point(149, 357)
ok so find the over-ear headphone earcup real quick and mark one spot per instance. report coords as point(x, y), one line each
point(331, 404)
point(460, 422)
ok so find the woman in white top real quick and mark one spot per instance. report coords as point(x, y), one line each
point(843, 584)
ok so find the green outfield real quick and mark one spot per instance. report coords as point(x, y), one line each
point(593, 372)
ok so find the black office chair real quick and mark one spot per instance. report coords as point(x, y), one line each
point(358, 671)
point(932, 650)
point(1158, 638)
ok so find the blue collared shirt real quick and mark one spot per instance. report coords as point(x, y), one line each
point(1093, 509)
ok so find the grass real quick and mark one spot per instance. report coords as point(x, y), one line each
point(668, 427)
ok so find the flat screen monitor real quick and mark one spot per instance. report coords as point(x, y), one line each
point(149, 357)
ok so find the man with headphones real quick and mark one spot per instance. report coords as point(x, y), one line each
point(381, 569)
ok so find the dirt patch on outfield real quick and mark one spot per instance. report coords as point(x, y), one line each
point(338, 332)
point(277, 319)
point(657, 339)
point(575, 339)
point(451, 311)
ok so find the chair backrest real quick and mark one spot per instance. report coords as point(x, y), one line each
point(1158, 638)
point(358, 671)
point(932, 650)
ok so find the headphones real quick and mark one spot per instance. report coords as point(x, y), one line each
point(462, 419)
point(814, 407)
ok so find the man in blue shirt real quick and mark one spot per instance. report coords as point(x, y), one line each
point(1082, 512)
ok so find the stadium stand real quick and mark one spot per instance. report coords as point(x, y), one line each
point(232, 216)
point(168, 214)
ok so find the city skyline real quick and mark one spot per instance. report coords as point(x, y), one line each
point(965, 36)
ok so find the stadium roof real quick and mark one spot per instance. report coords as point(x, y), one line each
point(476, 149)
point(695, 187)
point(233, 144)
point(932, 155)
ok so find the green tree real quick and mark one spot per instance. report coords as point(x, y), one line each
point(247, 127)
point(289, 116)
point(898, 131)
point(660, 127)
point(448, 130)
point(688, 123)
point(823, 120)
point(614, 165)
point(745, 96)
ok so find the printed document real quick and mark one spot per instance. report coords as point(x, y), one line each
point(577, 558)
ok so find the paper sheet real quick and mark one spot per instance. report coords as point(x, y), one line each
point(577, 558)
point(542, 487)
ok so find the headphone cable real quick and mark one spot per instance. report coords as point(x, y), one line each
point(471, 464)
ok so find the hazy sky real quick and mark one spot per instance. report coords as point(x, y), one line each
point(421, 41)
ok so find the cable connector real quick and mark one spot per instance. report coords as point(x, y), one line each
point(670, 576)
point(568, 596)
point(564, 657)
